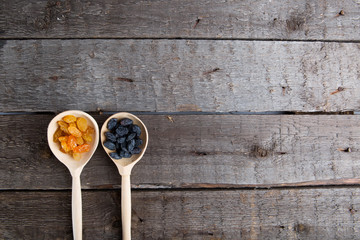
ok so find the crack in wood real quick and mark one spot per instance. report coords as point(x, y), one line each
point(212, 71)
point(199, 153)
point(124, 79)
point(315, 183)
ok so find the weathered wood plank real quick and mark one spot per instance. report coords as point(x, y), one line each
point(286, 19)
point(196, 151)
point(237, 214)
point(178, 75)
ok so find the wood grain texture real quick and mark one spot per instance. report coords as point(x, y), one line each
point(286, 19)
point(237, 214)
point(178, 75)
point(197, 151)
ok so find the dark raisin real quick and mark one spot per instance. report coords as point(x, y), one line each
point(138, 142)
point(115, 155)
point(122, 131)
point(109, 145)
point(131, 136)
point(112, 124)
point(136, 150)
point(126, 122)
point(123, 146)
point(111, 137)
point(117, 146)
point(127, 155)
point(122, 154)
point(121, 139)
point(131, 145)
point(136, 129)
point(130, 127)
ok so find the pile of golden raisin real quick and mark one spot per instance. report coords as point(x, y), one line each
point(74, 135)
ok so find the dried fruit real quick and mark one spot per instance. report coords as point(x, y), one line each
point(136, 129)
point(76, 156)
point(121, 131)
point(79, 141)
point(65, 146)
point(71, 142)
point(63, 126)
point(111, 137)
point(130, 136)
point(122, 138)
point(112, 124)
point(131, 145)
point(74, 131)
point(136, 150)
point(109, 145)
point(72, 134)
point(82, 148)
point(90, 130)
point(138, 142)
point(115, 155)
point(87, 137)
point(58, 133)
point(81, 124)
point(127, 155)
point(123, 146)
point(63, 138)
point(126, 122)
point(69, 118)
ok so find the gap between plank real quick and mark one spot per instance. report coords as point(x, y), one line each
point(319, 184)
point(194, 113)
point(185, 38)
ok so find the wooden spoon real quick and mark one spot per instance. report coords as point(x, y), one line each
point(125, 166)
point(75, 167)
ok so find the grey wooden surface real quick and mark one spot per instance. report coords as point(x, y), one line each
point(197, 151)
point(219, 214)
point(264, 19)
point(178, 75)
point(185, 68)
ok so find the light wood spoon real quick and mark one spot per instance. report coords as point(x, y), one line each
point(75, 167)
point(125, 166)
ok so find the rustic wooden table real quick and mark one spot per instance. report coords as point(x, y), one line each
point(233, 94)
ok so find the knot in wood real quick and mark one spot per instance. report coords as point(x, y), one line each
point(260, 152)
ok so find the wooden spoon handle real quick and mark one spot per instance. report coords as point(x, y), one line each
point(126, 207)
point(76, 208)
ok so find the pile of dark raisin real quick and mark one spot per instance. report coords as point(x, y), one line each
point(123, 138)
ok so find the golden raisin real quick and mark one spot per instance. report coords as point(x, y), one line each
point(90, 130)
point(71, 142)
point(82, 148)
point(69, 118)
point(63, 138)
point(79, 141)
point(65, 146)
point(64, 126)
point(87, 137)
point(58, 133)
point(81, 124)
point(74, 131)
point(72, 134)
point(76, 156)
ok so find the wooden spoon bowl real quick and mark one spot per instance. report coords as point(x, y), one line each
point(67, 159)
point(125, 165)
